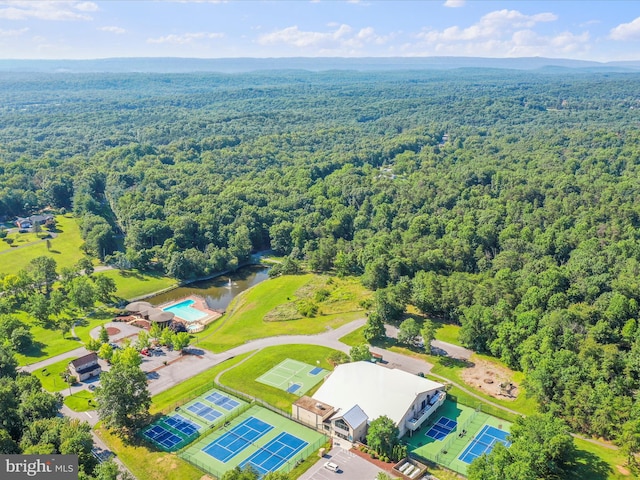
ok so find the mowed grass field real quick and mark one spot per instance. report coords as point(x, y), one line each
point(132, 283)
point(50, 375)
point(245, 317)
point(16, 239)
point(65, 248)
point(46, 342)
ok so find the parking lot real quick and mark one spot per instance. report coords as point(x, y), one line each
point(351, 467)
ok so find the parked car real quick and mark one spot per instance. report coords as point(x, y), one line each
point(332, 466)
point(145, 352)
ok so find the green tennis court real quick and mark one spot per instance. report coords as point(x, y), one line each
point(293, 376)
point(258, 437)
point(446, 446)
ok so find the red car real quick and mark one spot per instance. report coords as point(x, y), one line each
point(145, 352)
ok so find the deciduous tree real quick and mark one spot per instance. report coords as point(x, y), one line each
point(123, 397)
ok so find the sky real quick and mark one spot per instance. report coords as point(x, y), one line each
point(603, 30)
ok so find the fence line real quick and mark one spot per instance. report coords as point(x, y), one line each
point(289, 465)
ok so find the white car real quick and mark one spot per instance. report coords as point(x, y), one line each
point(332, 466)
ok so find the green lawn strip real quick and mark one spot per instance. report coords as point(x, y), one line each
point(132, 283)
point(65, 248)
point(50, 375)
point(243, 377)
point(14, 240)
point(147, 462)
point(81, 401)
point(354, 338)
point(184, 392)
point(245, 318)
point(595, 462)
point(447, 332)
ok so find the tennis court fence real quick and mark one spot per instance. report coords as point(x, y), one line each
point(445, 456)
point(289, 465)
point(262, 403)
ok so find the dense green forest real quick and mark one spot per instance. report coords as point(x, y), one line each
point(506, 201)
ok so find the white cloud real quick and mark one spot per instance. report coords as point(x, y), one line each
point(185, 38)
point(502, 33)
point(45, 10)
point(86, 7)
point(454, 3)
point(626, 31)
point(300, 38)
point(491, 25)
point(341, 37)
point(113, 29)
point(13, 33)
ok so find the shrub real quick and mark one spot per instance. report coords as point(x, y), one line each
point(307, 308)
point(321, 295)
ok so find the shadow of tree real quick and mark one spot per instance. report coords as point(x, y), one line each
point(455, 362)
point(35, 350)
point(588, 465)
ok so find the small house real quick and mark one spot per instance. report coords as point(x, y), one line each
point(23, 223)
point(85, 367)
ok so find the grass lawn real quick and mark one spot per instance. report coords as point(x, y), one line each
point(447, 332)
point(245, 318)
point(595, 462)
point(243, 377)
point(81, 401)
point(65, 248)
point(147, 463)
point(47, 342)
point(354, 338)
point(131, 283)
point(14, 240)
point(50, 376)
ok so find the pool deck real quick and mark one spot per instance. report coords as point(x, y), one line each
point(199, 304)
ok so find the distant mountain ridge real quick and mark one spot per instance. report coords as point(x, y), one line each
point(240, 65)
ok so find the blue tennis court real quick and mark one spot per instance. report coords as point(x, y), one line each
point(203, 411)
point(293, 387)
point(182, 424)
point(315, 371)
point(275, 453)
point(230, 444)
point(484, 442)
point(222, 401)
point(441, 428)
point(162, 437)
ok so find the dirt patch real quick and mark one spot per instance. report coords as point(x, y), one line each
point(113, 331)
point(491, 379)
point(623, 470)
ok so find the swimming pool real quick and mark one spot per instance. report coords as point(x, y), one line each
point(185, 311)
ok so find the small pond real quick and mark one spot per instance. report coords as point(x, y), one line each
point(218, 291)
